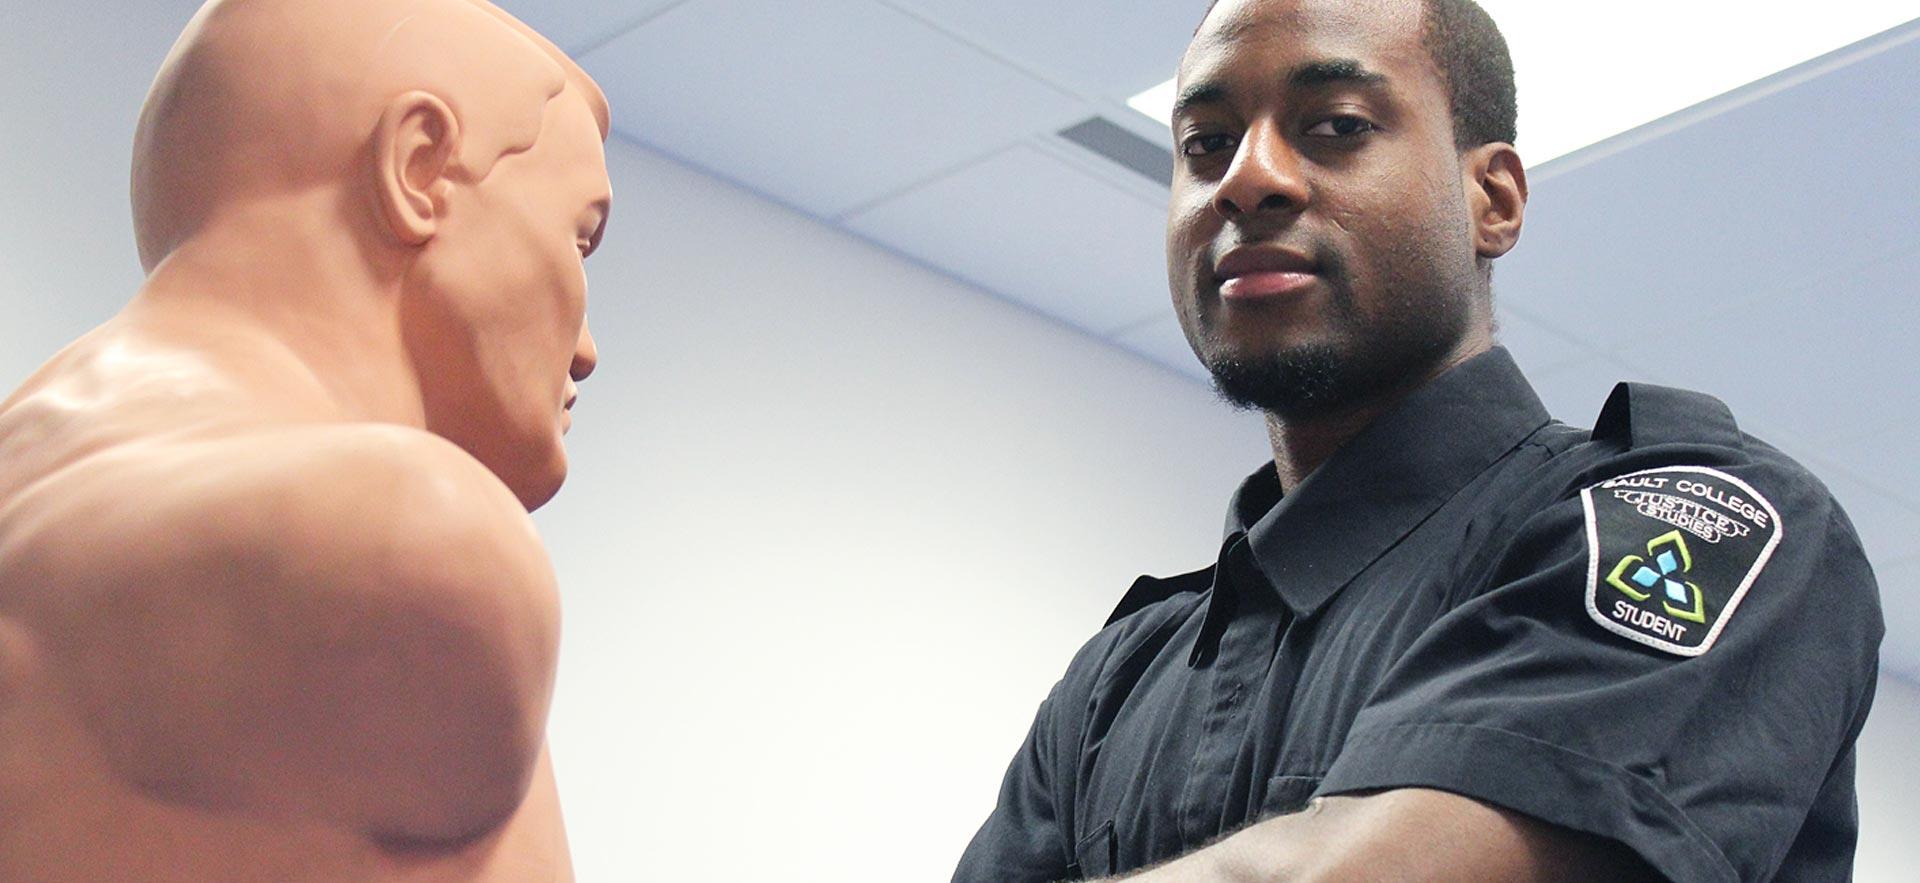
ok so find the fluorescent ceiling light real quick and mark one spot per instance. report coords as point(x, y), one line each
point(1589, 71)
point(1156, 102)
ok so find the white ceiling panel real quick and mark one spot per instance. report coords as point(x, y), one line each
point(1065, 243)
point(824, 109)
point(1763, 199)
point(1704, 52)
point(578, 25)
point(77, 75)
point(1888, 458)
point(1107, 49)
point(1535, 346)
point(1574, 391)
point(1702, 49)
point(1823, 362)
point(1889, 526)
point(1161, 340)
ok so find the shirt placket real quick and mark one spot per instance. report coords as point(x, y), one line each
point(1236, 669)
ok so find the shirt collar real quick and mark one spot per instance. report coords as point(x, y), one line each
point(1385, 481)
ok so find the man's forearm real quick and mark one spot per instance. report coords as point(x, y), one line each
point(1270, 850)
point(1404, 834)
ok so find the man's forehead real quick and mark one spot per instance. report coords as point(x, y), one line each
point(1363, 29)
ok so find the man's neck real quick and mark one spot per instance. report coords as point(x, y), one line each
point(312, 296)
point(1301, 444)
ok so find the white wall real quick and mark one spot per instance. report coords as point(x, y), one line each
point(1889, 779)
point(835, 525)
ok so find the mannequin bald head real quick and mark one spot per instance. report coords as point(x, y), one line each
point(399, 191)
point(266, 96)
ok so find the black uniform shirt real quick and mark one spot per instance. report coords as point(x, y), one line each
point(1663, 632)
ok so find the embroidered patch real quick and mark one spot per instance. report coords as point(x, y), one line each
point(1671, 551)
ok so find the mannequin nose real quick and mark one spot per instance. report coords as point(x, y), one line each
point(585, 356)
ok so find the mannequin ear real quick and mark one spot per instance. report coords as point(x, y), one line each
point(1496, 196)
point(414, 149)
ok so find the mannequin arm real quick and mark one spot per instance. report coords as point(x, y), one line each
point(354, 623)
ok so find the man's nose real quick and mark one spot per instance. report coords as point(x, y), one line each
point(585, 356)
point(1265, 175)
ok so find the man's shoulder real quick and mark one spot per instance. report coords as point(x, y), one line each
point(1645, 426)
point(1668, 476)
point(1143, 623)
point(289, 499)
point(1154, 598)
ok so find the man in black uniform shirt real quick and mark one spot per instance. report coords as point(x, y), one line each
point(1446, 637)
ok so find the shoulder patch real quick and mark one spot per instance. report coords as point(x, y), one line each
point(1671, 551)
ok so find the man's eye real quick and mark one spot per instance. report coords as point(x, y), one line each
point(1201, 145)
point(1341, 127)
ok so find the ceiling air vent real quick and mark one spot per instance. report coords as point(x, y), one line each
point(1109, 139)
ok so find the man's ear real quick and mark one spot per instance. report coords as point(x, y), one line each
point(1496, 197)
point(414, 150)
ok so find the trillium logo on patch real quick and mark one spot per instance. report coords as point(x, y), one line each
point(1672, 551)
point(1669, 553)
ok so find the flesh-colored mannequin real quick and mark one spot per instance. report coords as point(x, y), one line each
point(271, 607)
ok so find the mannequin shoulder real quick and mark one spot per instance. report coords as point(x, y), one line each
point(338, 505)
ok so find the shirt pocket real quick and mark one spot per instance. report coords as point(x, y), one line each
point(1288, 794)
point(1094, 854)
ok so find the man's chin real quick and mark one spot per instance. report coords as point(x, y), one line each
point(1297, 382)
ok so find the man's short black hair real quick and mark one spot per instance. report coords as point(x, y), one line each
point(1472, 57)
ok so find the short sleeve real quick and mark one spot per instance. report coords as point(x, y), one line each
point(1704, 754)
point(1022, 840)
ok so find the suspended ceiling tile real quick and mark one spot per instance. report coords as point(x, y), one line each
point(1574, 391)
point(1161, 340)
point(1767, 197)
point(1889, 526)
point(76, 78)
point(826, 110)
point(1827, 363)
point(1101, 48)
point(576, 25)
point(1703, 51)
point(1124, 177)
point(1535, 346)
point(1888, 458)
point(1039, 231)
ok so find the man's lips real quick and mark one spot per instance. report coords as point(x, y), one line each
point(1250, 272)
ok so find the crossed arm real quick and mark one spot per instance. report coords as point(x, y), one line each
point(1402, 834)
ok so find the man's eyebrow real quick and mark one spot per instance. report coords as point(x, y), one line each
point(1310, 75)
point(1200, 93)
point(1333, 71)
